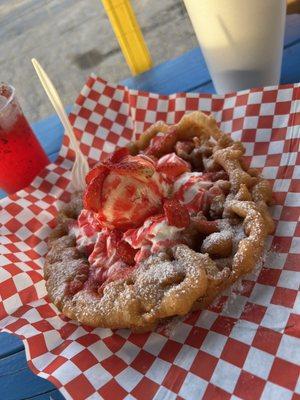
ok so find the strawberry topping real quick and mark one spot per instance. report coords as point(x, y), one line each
point(191, 190)
point(119, 154)
point(126, 252)
point(176, 213)
point(91, 198)
point(154, 236)
point(124, 190)
point(128, 213)
point(172, 166)
point(95, 172)
point(163, 144)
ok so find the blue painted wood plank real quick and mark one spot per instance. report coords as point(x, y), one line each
point(9, 344)
point(206, 87)
point(12, 364)
point(292, 30)
point(179, 75)
point(13, 367)
point(17, 381)
point(52, 395)
point(290, 71)
point(50, 131)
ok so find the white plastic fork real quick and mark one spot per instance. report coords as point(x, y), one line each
point(80, 167)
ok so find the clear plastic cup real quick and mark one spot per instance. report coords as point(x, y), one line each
point(21, 155)
point(241, 40)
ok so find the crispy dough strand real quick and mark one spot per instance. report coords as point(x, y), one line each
point(262, 195)
point(228, 158)
point(145, 138)
point(250, 248)
point(262, 191)
point(179, 299)
point(195, 124)
point(243, 194)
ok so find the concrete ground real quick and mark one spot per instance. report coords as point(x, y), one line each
point(72, 38)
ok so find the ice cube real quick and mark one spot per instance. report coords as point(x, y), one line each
point(3, 101)
point(9, 112)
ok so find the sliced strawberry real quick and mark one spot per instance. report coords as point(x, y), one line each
point(206, 176)
point(163, 144)
point(126, 252)
point(131, 191)
point(136, 169)
point(122, 273)
point(96, 171)
point(89, 249)
point(92, 195)
point(176, 213)
point(141, 167)
point(172, 165)
point(119, 154)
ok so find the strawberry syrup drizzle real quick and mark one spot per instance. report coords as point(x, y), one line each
point(128, 216)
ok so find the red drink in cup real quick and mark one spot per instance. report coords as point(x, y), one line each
point(21, 155)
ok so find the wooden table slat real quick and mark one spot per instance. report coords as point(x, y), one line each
point(50, 395)
point(17, 381)
point(9, 344)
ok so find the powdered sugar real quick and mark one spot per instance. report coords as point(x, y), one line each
point(217, 237)
point(235, 290)
point(188, 186)
point(85, 230)
point(153, 236)
point(169, 328)
point(236, 232)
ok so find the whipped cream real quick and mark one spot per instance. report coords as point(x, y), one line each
point(190, 188)
point(85, 230)
point(152, 237)
point(155, 234)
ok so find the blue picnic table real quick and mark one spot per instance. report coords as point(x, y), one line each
point(187, 73)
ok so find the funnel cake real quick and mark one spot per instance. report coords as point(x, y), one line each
point(164, 226)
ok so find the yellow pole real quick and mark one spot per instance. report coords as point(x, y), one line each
point(129, 35)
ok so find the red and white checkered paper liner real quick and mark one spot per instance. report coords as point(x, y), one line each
point(247, 350)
